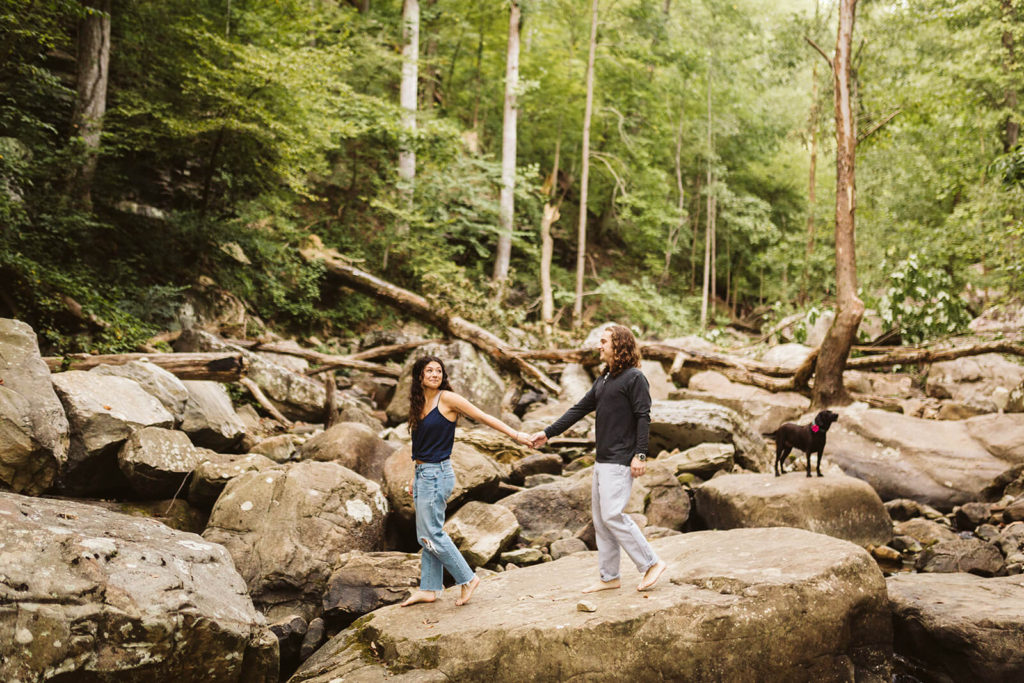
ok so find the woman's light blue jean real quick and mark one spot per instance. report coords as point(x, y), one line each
point(433, 483)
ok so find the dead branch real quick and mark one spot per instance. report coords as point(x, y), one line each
point(419, 307)
point(915, 356)
point(262, 399)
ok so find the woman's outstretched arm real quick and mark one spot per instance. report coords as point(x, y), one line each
point(462, 406)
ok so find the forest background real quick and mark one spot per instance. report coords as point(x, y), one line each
point(235, 129)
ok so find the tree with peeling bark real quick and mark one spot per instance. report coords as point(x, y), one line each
point(91, 92)
point(835, 349)
point(506, 210)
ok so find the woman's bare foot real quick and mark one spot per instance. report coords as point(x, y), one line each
point(652, 575)
point(602, 586)
point(420, 596)
point(467, 591)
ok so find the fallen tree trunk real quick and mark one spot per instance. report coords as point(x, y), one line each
point(328, 361)
point(914, 356)
point(262, 399)
point(214, 367)
point(664, 353)
point(420, 308)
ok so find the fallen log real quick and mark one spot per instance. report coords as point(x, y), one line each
point(420, 308)
point(328, 361)
point(915, 356)
point(214, 367)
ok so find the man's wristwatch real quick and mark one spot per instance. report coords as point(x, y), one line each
point(642, 457)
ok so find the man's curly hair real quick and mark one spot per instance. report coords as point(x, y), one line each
point(625, 352)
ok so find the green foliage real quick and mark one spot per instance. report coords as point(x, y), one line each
point(921, 302)
point(644, 305)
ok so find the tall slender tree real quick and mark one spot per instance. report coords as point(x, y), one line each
point(408, 89)
point(91, 92)
point(581, 245)
point(835, 349)
point(506, 211)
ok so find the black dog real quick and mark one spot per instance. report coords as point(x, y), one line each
point(807, 438)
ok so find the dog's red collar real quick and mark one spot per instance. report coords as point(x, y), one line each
point(814, 428)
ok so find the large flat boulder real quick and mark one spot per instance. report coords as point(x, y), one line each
point(765, 410)
point(34, 431)
point(937, 462)
point(93, 595)
point(156, 461)
point(973, 381)
point(285, 526)
point(742, 605)
point(683, 424)
point(154, 380)
point(103, 411)
point(842, 507)
point(959, 627)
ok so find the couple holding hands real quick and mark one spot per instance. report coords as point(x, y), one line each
point(622, 400)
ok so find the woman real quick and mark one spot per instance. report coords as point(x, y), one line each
point(433, 411)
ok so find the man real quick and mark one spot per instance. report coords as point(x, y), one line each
point(622, 399)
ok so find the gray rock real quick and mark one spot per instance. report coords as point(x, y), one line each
point(285, 525)
point(155, 381)
point(545, 511)
point(156, 461)
point(297, 396)
point(98, 595)
point(363, 582)
point(215, 470)
point(567, 546)
point(925, 531)
point(938, 463)
point(34, 431)
point(481, 531)
point(902, 509)
point(534, 480)
point(744, 586)
point(962, 555)
point(523, 556)
point(842, 507)
point(535, 463)
point(703, 461)
point(313, 639)
point(470, 375)
point(1000, 435)
point(353, 445)
point(972, 381)
point(476, 478)
point(574, 383)
point(103, 411)
point(682, 424)
point(280, 448)
point(787, 356)
point(210, 420)
point(970, 515)
point(959, 627)
point(763, 409)
point(662, 500)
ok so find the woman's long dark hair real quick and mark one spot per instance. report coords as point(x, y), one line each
point(416, 390)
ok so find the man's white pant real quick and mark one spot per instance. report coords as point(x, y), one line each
point(612, 527)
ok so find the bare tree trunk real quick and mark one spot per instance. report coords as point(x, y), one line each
point(811, 184)
point(707, 220)
point(214, 367)
point(432, 75)
point(672, 241)
point(407, 94)
point(581, 246)
point(835, 349)
point(91, 97)
point(713, 285)
point(551, 214)
point(1011, 129)
point(696, 233)
point(506, 211)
